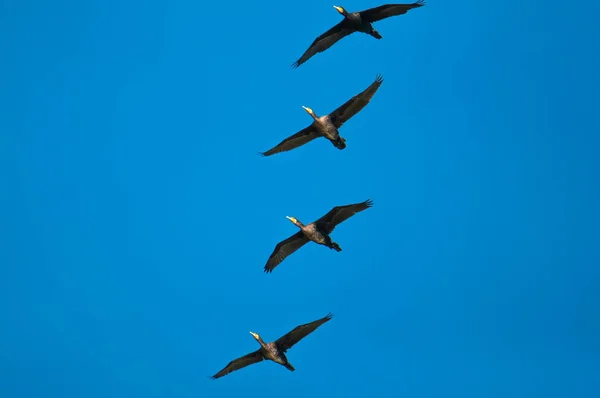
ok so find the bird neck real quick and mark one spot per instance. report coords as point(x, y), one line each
point(344, 13)
point(261, 341)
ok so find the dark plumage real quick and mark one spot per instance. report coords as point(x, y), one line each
point(327, 126)
point(274, 351)
point(317, 231)
point(354, 22)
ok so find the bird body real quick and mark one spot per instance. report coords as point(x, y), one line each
point(327, 129)
point(317, 231)
point(271, 352)
point(354, 21)
point(276, 355)
point(360, 21)
point(275, 350)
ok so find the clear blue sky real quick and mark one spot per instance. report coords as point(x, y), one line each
point(136, 216)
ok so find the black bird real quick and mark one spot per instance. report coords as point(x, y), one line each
point(355, 22)
point(327, 126)
point(317, 232)
point(274, 351)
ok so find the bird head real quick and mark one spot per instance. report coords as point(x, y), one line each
point(307, 109)
point(340, 10)
point(255, 335)
point(292, 219)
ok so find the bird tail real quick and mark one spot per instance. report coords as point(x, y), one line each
point(336, 247)
point(376, 34)
point(289, 367)
point(340, 143)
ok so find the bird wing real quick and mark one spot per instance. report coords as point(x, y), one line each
point(300, 138)
point(355, 104)
point(284, 249)
point(324, 41)
point(239, 363)
point(388, 10)
point(287, 341)
point(339, 214)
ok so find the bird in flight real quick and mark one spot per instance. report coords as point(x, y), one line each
point(327, 126)
point(360, 21)
point(273, 351)
point(317, 232)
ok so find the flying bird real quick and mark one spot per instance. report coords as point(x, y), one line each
point(274, 351)
point(327, 126)
point(317, 231)
point(355, 22)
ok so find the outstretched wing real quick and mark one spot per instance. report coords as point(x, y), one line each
point(388, 10)
point(340, 214)
point(298, 333)
point(300, 138)
point(239, 363)
point(355, 104)
point(284, 249)
point(324, 41)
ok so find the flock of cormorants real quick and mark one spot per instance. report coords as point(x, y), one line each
point(324, 126)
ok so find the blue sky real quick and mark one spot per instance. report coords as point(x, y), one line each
point(136, 216)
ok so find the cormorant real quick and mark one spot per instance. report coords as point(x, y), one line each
point(327, 126)
point(355, 22)
point(274, 351)
point(317, 231)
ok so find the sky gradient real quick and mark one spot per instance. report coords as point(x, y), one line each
point(136, 215)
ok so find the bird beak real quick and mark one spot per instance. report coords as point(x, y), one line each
point(290, 218)
point(254, 335)
point(307, 109)
point(339, 9)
